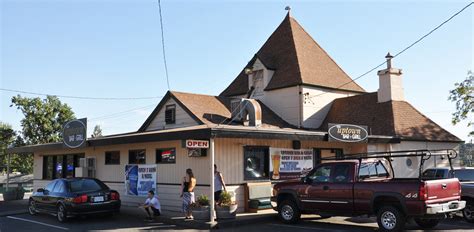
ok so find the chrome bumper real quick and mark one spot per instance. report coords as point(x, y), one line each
point(445, 207)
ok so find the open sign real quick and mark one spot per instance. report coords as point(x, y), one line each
point(197, 143)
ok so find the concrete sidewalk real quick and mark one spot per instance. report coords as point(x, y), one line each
point(177, 218)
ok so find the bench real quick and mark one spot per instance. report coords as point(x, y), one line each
point(257, 196)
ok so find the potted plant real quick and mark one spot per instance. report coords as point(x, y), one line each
point(200, 209)
point(16, 193)
point(226, 209)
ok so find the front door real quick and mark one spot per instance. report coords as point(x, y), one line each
point(311, 195)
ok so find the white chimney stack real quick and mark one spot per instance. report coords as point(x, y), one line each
point(390, 83)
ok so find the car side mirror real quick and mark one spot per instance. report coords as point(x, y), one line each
point(40, 190)
point(306, 180)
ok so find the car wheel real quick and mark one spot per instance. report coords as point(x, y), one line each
point(288, 212)
point(390, 219)
point(61, 214)
point(427, 223)
point(468, 212)
point(32, 207)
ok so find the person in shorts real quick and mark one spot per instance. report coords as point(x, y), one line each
point(152, 206)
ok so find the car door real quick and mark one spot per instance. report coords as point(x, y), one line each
point(47, 199)
point(42, 197)
point(57, 194)
point(311, 194)
point(338, 192)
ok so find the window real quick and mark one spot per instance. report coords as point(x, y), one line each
point(166, 156)
point(341, 173)
point(59, 187)
point(112, 157)
point(170, 114)
point(256, 163)
point(136, 157)
point(258, 83)
point(50, 186)
point(235, 106)
point(372, 170)
point(322, 174)
point(464, 174)
point(60, 166)
point(85, 185)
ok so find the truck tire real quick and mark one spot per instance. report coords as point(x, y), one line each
point(468, 212)
point(427, 223)
point(288, 212)
point(390, 219)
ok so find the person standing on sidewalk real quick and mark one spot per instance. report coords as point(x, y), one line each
point(187, 192)
point(219, 185)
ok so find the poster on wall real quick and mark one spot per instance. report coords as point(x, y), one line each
point(289, 164)
point(139, 179)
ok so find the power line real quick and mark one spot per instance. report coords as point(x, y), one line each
point(163, 45)
point(119, 114)
point(403, 50)
point(79, 97)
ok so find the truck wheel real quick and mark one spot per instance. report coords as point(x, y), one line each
point(288, 212)
point(390, 219)
point(468, 212)
point(427, 223)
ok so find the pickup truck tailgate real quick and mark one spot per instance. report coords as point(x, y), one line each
point(442, 190)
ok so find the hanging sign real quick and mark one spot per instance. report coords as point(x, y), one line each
point(139, 179)
point(197, 143)
point(75, 133)
point(347, 133)
point(289, 163)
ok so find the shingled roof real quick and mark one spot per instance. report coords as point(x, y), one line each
point(392, 118)
point(212, 110)
point(296, 59)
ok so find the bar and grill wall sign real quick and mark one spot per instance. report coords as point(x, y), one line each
point(289, 163)
point(75, 133)
point(347, 133)
point(139, 179)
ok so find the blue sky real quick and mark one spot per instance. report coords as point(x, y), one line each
point(113, 49)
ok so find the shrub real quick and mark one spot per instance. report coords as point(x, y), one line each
point(226, 199)
point(203, 200)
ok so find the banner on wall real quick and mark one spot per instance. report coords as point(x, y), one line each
point(289, 163)
point(139, 179)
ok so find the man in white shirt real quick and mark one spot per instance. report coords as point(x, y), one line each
point(152, 206)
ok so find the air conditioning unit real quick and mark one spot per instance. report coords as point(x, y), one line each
point(86, 168)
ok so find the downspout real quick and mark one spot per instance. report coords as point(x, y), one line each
point(300, 111)
point(8, 171)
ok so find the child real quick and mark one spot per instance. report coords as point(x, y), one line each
point(152, 206)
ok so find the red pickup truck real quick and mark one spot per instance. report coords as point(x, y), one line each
point(367, 187)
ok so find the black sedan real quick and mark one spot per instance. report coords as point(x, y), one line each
point(74, 197)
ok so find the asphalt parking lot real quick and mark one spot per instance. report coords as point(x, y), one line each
point(123, 222)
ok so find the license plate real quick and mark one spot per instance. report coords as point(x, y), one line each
point(98, 199)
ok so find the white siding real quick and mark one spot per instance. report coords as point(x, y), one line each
point(284, 102)
point(183, 119)
point(318, 103)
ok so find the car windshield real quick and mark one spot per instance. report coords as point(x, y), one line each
point(465, 174)
point(85, 185)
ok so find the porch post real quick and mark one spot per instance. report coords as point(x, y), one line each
point(211, 148)
point(8, 170)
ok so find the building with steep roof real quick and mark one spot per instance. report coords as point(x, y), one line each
point(291, 101)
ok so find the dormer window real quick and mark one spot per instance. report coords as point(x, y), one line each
point(258, 83)
point(170, 114)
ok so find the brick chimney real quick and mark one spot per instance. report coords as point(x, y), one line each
point(390, 83)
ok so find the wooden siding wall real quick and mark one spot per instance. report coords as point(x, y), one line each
point(183, 119)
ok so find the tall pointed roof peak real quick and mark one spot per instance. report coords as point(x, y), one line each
point(297, 59)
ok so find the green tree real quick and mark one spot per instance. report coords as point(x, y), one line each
point(97, 132)
point(18, 162)
point(463, 95)
point(43, 118)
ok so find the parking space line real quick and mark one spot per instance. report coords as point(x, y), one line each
point(301, 227)
point(40, 223)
